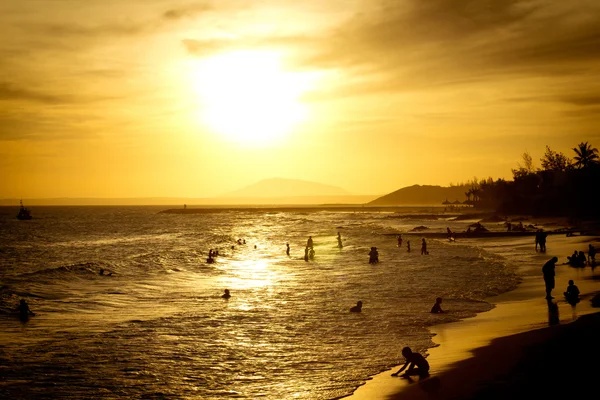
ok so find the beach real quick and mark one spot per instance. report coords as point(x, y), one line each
point(518, 348)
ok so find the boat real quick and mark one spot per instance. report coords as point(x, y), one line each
point(24, 213)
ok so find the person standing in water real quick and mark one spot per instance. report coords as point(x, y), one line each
point(24, 311)
point(437, 307)
point(424, 247)
point(306, 253)
point(339, 239)
point(309, 242)
point(399, 240)
point(287, 249)
point(357, 307)
point(226, 295)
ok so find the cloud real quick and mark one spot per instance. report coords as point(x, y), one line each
point(407, 45)
point(189, 11)
point(10, 91)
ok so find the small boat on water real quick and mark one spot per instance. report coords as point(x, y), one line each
point(24, 213)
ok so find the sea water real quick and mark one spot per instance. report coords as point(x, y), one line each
point(158, 327)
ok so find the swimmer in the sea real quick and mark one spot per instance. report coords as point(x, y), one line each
point(357, 307)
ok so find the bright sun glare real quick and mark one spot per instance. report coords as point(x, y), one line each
point(247, 96)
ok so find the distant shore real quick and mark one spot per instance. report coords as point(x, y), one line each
point(437, 210)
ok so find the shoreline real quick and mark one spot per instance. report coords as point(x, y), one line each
point(519, 318)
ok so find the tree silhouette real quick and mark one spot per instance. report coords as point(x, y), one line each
point(586, 155)
point(553, 161)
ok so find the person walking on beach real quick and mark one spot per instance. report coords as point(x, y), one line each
point(549, 273)
point(424, 247)
point(416, 363)
point(399, 240)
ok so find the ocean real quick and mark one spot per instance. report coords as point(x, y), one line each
point(157, 328)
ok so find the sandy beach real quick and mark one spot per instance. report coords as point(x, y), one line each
point(518, 348)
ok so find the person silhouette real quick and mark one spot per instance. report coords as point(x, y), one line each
point(373, 256)
point(437, 307)
point(311, 253)
point(399, 240)
point(309, 242)
point(572, 293)
point(416, 363)
point(408, 246)
point(24, 311)
point(357, 307)
point(226, 295)
point(339, 240)
point(424, 247)
point(548, 270)
point(306, 253)
point(287, 249)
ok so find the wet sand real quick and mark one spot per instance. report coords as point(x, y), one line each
point(517, 348)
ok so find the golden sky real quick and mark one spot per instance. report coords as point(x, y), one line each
point(183, 98)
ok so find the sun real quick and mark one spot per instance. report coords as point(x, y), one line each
point(248, 97)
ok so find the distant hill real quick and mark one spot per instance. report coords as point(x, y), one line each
point(422, 195)
point(280, 187)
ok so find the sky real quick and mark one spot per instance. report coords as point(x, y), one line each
point(183, 98)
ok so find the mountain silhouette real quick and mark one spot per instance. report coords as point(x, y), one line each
point(422, 195)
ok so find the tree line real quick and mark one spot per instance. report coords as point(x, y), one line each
point(563, 186)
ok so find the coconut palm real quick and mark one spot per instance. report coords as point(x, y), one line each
point(586, 155)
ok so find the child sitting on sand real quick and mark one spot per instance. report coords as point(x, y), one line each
point(572, 293)
point(416, 363)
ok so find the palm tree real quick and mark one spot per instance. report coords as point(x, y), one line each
point(586, 155)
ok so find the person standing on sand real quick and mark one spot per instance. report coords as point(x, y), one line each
point(408, 246)
point(399, 240)
point(424, 247)
point(549, 273)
